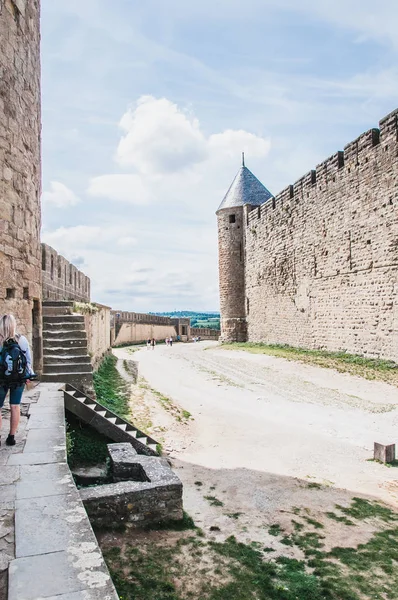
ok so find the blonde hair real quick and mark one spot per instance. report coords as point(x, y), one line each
point(8, 328)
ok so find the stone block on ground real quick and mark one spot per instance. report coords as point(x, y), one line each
point(384, 453)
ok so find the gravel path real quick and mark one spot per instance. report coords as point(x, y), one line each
point(265, 428)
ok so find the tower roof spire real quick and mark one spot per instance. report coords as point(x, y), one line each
point(245, 189)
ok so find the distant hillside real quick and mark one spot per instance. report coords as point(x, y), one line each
point(197, 319)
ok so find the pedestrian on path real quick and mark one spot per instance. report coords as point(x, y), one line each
point(15, 369)
point(153, 343)
point(148, 343)
point(171, 341)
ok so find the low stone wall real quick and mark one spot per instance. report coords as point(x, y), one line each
point(155, 497)
point(140, 332)
point(205, 333)
point(98, 329)
point(60, 279)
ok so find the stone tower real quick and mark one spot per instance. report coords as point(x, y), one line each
point(20, 173)
point(246, 190)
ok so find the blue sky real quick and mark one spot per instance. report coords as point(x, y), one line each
point(148, 105)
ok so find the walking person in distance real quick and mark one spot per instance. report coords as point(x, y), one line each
point(15, 369)
point(153, 343)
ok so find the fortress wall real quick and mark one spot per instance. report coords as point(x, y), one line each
point(141, 332)
point(321, 267)
point(61, 279)
point(206, 333)
point(20, 172)
point(133, 317)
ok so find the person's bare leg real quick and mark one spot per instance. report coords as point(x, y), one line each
point(15, 416)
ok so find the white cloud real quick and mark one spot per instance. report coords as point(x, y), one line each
point(60, 196)
point(159, 137)
point(122, 188)
point(78, 239)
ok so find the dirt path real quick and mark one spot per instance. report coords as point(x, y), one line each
point(267, 435)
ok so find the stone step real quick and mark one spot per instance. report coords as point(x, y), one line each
point(59, 350)
point(46, 303)
point(60, 334)
point(63, 319)
point(51, 359)
point(56, 311)
point(80, 378)
point(65, 326)
point(64, 343)
point(69, 368)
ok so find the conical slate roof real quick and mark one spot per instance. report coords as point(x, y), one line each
point(245, 189)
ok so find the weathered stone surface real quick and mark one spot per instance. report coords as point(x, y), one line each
point(20, 171)
point(124, 463)
point(137, 503)
point(44, 480)
point(384, 453)
point(317, 266)
point(49, 575)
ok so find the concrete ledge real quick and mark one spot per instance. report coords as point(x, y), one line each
point(154, 497)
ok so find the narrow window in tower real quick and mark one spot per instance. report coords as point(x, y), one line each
point(240, 252)
point(52, 267)
point(247, 306)
point(232, 218)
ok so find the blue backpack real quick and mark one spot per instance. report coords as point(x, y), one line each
point(13, 364)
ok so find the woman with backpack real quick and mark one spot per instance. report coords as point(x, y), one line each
point(15, 368)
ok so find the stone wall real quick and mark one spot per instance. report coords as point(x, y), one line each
point(61, 279)
point(20, 171)
point(321, 267)
point(205, 333)
point(98, 329)
point(141, 332)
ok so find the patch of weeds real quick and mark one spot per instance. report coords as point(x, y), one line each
point(267, 549)
point(275, 529)
point(313, 485)
point(297, 526)
point(198, 483)
point(361, 508)
point(370, 368)
point(111, 389)
point(167, 403)
point(186, 414)
point(185, 523)
point(235, 515)
point(340, 519)
point(314, 523)
point(287, 541)
point(214, 501)
point(393, 463)
point(85, 446)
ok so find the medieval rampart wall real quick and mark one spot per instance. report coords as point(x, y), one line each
point(141, 332)
point(321, 258)
point(61, 279)
point(205, 333)
point(20, 173)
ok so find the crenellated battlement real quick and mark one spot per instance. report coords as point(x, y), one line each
point(363, 151)
point(321, 257)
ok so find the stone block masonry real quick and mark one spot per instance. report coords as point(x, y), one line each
point(62, 281)
point(20, 172)
point(321, 258)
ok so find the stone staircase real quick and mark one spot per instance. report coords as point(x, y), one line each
point(65, 356)
point(106, 422)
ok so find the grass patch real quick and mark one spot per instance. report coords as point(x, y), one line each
point(235, 515)
point(340, 519)
point(275, 529)
point(364, 509)
point(167, 403)
point(369, 368)
point(232, 570)
point(214, 501)
point(185, 523)
point(85, 446)
point(111, 389)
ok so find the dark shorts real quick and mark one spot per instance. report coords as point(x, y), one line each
point(15, 394)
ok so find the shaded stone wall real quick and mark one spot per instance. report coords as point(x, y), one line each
point(61, 279)
point(98, 329)
point(321, 265)
point(20, 172)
